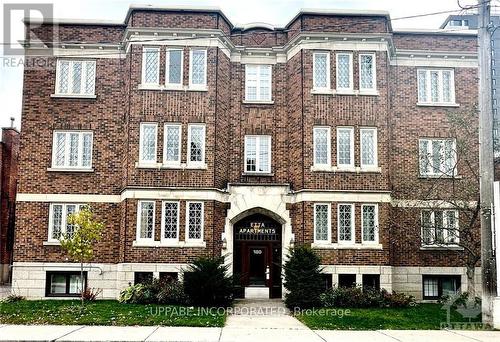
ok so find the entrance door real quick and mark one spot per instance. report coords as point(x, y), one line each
point(257, 266)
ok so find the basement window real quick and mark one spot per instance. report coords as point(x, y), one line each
point(436, 286)
point(64, 284)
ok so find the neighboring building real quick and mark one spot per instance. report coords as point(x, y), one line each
point(9, 154)
point(191, 137)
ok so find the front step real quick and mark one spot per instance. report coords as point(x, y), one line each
point(257, 293)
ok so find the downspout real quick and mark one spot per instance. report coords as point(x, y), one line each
point(302, 126)
point(215, 135)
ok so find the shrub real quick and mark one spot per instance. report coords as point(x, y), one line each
point(172, 293)
point(132, 294)
point(90, 294)
point(462, 299)
point(397, 299)
point(207, 283)
point(303, 278)
point(12, 298)
point(356, 297)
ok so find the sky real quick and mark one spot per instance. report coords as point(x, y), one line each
point(276, 12)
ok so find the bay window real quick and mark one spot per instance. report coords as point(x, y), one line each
point(345, 218)
point(145, 221)
point(194, 221)
point(322, 223)
point(170, 221)
point(369, 223)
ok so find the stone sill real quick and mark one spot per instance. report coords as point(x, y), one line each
point(335, 169)
point(377, 246)
point(67, 169)
point(171, 88)
point(439, 177)
point(432, 104)
point(442, 248)
point(345, 92)
point(248, 102)
point(257, 174)
point(160, 166)
point(174, 244)
point(51, 243)
point(73, 96)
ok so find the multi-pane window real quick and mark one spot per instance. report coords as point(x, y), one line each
point(147, 143)
point(75, 77)
point(170, 221)
point(173, 69)
point(344, 72)
point(64, 284)
point(258, 153)
point(145, 220)
point(322, 142)
point(322, 222)
point(321, 71)
point(72, 149)
point(258, 82)
point(369, 222)
point(58, 220)
point(368, 146)
point(151, 66)
point(198, 68)
point(345, 223)
point(345, 147)
point(194, 224)
point(196, 141)
point(439, 227)
point(172, 144)
point(436, 286)
point(436, 86)
point(437, 157)
point(367, 72)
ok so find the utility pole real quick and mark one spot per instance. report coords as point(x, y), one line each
point(486, 161)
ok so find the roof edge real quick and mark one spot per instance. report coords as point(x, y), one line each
point(66, 21)
point(437, 32)
point(341, 12)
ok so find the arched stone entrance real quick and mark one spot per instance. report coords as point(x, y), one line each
point(257, 255)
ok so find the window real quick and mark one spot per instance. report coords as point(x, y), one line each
point(258, 82)
point(439, 227)
point(174, 59)
point(64, 284)
point(172, 144)
point(198, 69)
point(196, 140)
point(437, 157)
point(58, 220)
point(75, 77)
point(326, 280)
point(321, 71)
point(344, 72)
point(371, 281)
point(436, 286)
point(72, 149)
point(369, 222)
point(143, 277)
point(194, 224)
point(151, 66)
point(170, 221)
point(368, 146)
point(322, 223)
point(167, 277)
point(367, 72)
point(258, 153)
point(345, 223)
point(147, 144)
point(145, 220)
point(436, 86)
point(345, 147)
point(322, 147)
point(347, 280)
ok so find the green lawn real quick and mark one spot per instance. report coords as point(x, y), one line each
point(106, 312)
point(421, 316)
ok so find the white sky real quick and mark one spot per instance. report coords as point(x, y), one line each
point(276, 12)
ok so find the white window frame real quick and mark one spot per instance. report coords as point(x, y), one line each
point(328, 75)
point(85, 64)
point(374, 75)
point(196, 163)
point(440, 89)
point(138, 224)
point(444, 225)
point(162, 237)
point(257, 80)
point(257, 153)
point(141, 143)
point(376, 240)
point(66, 165)
point(375, 147)
point(197, 86)
point(64, 218)
point(329, 224)
point(202, 222)
point(179, 141)
point(328, 147)
point(145, 49)
point(432, 172)
point(167, 69)
point(353, 228)
point(351, 73)
point(351, 136)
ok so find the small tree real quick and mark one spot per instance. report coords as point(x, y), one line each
point(79, 245)
point(303, 278)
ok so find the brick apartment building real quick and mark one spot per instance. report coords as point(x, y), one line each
point(9, 154)
point(191, 136)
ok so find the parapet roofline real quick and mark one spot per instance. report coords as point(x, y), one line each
point(437, 32)
point(64, 21)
